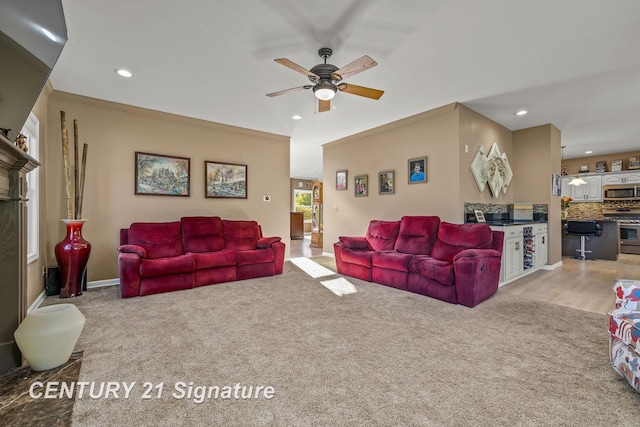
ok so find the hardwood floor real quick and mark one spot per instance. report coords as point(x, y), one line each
point(584, 285)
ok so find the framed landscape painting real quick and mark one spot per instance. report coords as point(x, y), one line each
point(161, 175)
point(225, 180)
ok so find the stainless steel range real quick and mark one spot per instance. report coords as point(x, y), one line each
point(629, 225)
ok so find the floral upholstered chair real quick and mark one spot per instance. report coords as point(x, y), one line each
point(624, 330)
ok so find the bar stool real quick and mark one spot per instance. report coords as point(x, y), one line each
point(584, 229)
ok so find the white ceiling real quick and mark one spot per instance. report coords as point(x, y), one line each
point(575, 64)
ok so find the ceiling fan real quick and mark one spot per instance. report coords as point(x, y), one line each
point(328, 79)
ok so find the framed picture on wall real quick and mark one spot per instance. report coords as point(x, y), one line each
point(225, 180)
point(417, 170)
point(361, 185)
point(341, 180)
point(386, 182)
point(162, 175)
point(556, 184)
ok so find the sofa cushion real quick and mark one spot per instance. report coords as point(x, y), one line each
point(454, 238)
point(223, 258)
point(202, 233)
point(417, 234)
point(255, 256)
point(434, 269)
point(267, 242)
point(240, 235)
point(391, 260)
point(357, 256)
point(354, 242)
point(625, 325)
point(159, 239)
point(166, 266)
point(381, 235)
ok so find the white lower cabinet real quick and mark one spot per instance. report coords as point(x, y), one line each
point(524, 250)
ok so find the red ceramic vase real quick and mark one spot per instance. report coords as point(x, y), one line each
point(72, 255)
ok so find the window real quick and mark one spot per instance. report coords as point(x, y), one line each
point(32, 131)
point(302, 203)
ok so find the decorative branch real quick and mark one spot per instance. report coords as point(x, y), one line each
point(76, 179)
point(85, 148)
point(67, 166)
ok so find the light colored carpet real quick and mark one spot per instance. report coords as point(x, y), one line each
point(376, 357)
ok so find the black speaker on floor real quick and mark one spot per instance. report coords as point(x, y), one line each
point(52, 281)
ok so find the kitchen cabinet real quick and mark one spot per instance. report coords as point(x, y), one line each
point(524, 250)
point(540, 243)
point(513, 253)
point(591, 192)
point(621, 178)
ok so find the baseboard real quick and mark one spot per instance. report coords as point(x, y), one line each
point(329, 254)
point(552, 266)
point(102, 283)
point(90, 285)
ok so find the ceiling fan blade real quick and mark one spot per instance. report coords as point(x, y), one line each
point(357, 66)
point(367, 92)
point(324, 106)
point(293, 89)
point(296, 67)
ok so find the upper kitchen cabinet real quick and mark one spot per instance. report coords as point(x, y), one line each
point(591, 192)
point(621, 178)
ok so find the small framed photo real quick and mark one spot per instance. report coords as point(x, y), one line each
point(479, 216)
point(584, 168)
point(417, 170)
point(341, 180)
point(361, 185)
point(601, 167)
point(386, 182)
point(161, 175)
point(634, 162)
point(225, 180)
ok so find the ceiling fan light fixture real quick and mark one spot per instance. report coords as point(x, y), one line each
point(324, 91)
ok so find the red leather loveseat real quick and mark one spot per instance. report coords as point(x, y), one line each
point(457, 263)
point(195, 251)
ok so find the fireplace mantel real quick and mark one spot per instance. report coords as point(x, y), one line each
point(14, 166)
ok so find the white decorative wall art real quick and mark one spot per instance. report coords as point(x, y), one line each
point(492, 169)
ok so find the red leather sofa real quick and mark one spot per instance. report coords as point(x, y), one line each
point(457, 263)
point(195, 251)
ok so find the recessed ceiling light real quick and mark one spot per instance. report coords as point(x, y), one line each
point(296, 117)
point(588, 152)
point(123, 73)
point(521, 113)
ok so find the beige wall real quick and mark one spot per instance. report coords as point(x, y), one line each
point(449, 136)
point(115, 132)
point(573, 165)
point(478, 131)
point(537, 158)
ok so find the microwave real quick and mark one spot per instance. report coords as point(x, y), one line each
point(621, 192)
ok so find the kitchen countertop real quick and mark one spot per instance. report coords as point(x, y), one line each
point(507, 222)
point(590, 219)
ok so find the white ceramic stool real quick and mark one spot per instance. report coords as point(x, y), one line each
point(47, 336)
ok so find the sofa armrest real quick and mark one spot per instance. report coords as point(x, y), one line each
point(267, 242)
point(129, 272)
point(133, 249)
point(354, 242)
point(627, 293)
point(476, 274)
